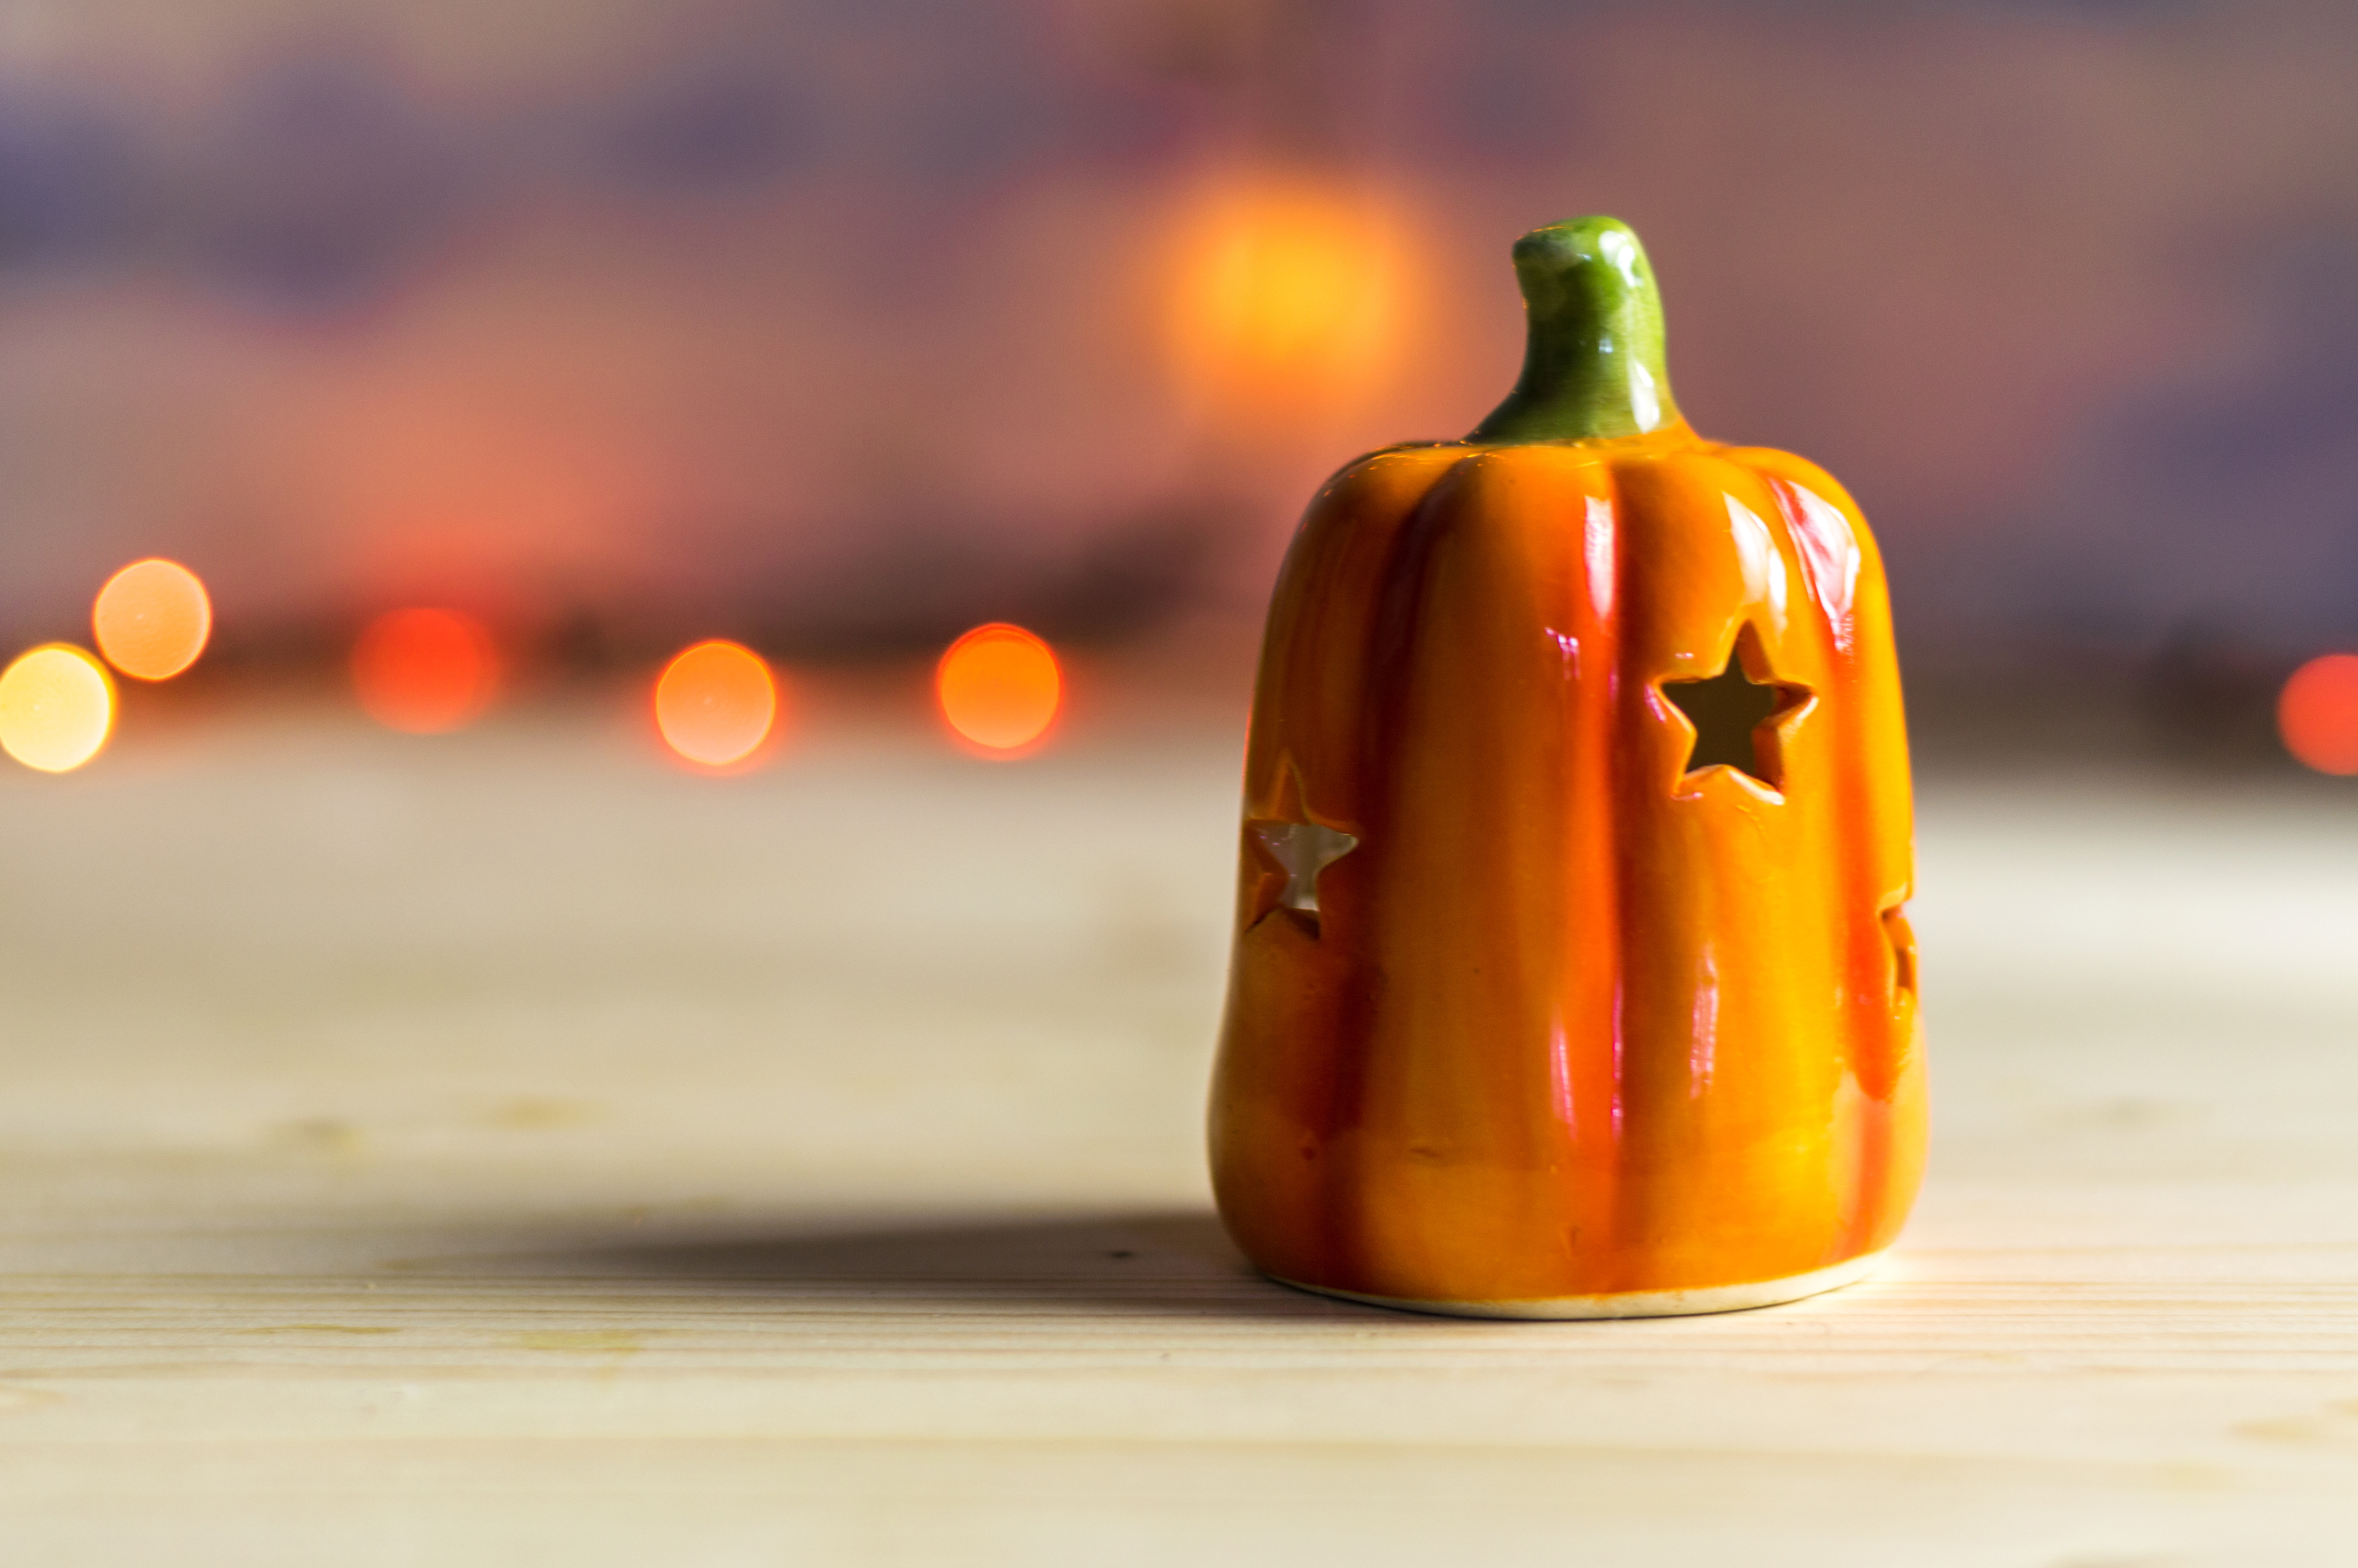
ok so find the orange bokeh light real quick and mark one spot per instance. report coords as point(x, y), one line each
point(152, 618)
point(425, 671)
point(1000, 689)
point(1288, 299)
point(57, 708)
point(2317, 713)
point(716, 703)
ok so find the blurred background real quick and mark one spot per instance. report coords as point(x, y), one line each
point(837, 328)
point(646, 608)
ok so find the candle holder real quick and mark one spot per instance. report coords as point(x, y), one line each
point(1571, 974)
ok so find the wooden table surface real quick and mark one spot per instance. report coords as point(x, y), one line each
point(504, 1150)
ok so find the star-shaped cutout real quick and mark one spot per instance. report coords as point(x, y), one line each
point(1302, 850)
point(1736, 716)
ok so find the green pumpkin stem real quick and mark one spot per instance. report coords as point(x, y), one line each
point(1593, 366)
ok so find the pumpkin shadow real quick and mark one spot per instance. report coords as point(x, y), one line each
point(1160, 1263)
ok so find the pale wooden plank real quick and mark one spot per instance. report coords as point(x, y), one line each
point(488, 1149)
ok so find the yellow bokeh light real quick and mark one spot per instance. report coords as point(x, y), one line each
point(57, 708)
point(152, 618)
point(716, 703)
point(1000, 689)
point(1288, 299)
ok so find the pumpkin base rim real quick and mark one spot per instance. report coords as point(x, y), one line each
point(1697, 1301)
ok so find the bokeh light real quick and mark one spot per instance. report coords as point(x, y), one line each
point(1288, 299)
point(57, 708)
point(1000, 689)
point(2317, 713)
point(425, 671)
point(716, 703)
point(152, 618)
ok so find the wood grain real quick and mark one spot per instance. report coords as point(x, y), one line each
point(503, 1148)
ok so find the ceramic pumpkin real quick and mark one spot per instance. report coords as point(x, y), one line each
point(1571, 978)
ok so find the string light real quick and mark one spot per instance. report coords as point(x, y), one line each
point(425, 671)
point(716, 703)
point(2317, 713)
point(999, 687)
point(152, 618)
point(57, 708)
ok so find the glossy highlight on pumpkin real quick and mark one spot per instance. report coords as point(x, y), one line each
point(1598, 1013)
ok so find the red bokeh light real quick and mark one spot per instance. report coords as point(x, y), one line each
point(2317, 713)
point(424, 672)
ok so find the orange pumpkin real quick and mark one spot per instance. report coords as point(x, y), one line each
point(1571, 977)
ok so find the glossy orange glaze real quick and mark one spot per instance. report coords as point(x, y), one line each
point(1570, 1020)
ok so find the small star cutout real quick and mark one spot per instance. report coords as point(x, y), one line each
point(1733, 717)
point(1302, 850)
